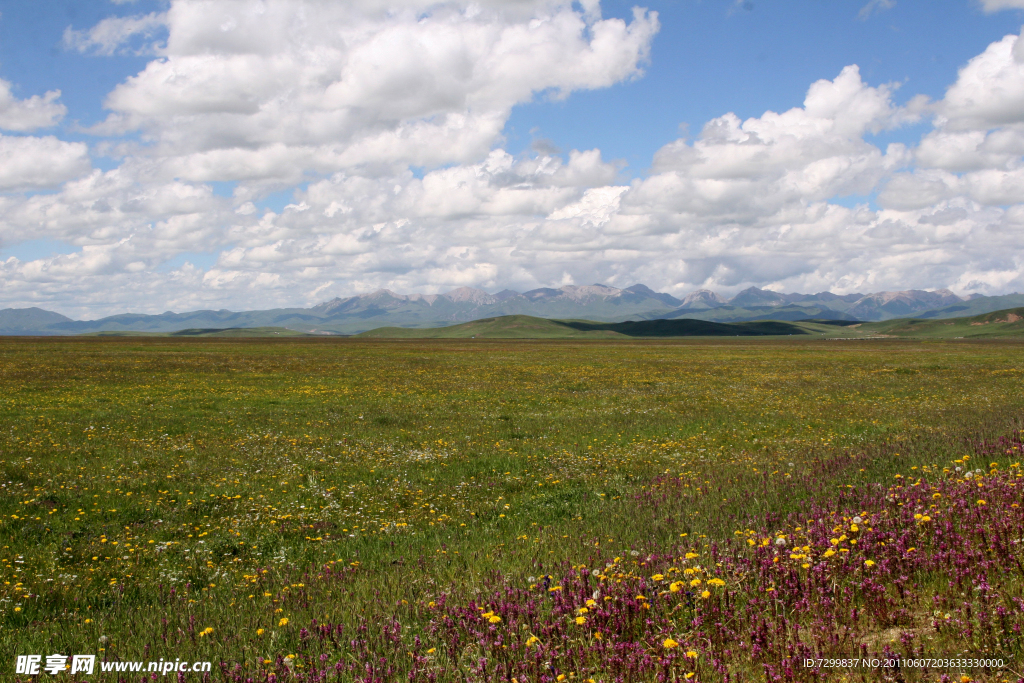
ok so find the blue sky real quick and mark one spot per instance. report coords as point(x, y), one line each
point(282, 151)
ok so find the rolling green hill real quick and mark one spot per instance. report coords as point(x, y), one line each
point(528, 327)
point(232, 332)
point(1005, 323)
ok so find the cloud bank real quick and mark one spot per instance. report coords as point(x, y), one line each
point(385, 121)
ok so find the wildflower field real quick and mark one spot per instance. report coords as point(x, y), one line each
point(325, 509)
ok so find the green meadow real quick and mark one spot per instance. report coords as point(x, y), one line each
point(186, 497)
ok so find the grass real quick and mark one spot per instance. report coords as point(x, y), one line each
point(155, 487)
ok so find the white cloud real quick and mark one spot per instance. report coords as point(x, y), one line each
point(875, 7)
point(340, 85)
point(989, 90)
point(34, 162)
point(997, 5)
point(27, 115)
point(744, 170)
point(112, 35)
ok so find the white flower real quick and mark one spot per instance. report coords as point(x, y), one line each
point(780, 541)
point(857, 520)
point(596, 595)
point(634, 553)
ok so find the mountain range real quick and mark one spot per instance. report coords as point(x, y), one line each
point(383, 308)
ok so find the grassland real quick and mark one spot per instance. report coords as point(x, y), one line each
point(230, 499)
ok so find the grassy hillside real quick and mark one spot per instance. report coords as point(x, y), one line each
point(231, 332)
point(1006, 323)
point(528, 327)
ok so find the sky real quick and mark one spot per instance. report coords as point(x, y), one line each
point(245, 154)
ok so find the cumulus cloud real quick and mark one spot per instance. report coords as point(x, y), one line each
point(745, 170)
point(989, 90)
point(31, 114)
point(295, 84)
point(976, 147)
point(33, 162)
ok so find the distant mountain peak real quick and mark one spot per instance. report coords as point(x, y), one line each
point(703, 298)
point(581, 293)
point(754, 296)
point(470, 295)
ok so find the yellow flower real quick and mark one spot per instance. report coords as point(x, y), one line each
point(582, 610)
point(675, 586)
point(431, 650)
point(580, 621)
point(494, 619)
point(532, 639)
point(925, 518)
point(691, 556)
point(591, 603)
point(981, 502)
point(283, 622)
point(669, 644)
point(205, 632)
point(259, 632)
point(706, 594)
point(869, 563)
point(690, 654)
point(716, 582)
point(695, 583)
point(657, 577)
point(561, 677)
